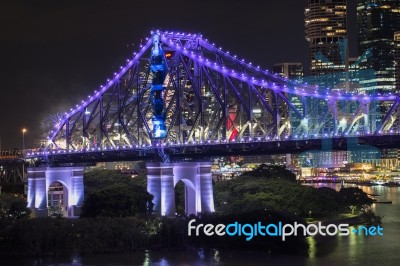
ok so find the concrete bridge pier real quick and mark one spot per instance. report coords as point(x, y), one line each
point(163, 177)
point(57, 190)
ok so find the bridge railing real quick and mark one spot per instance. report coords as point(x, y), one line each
point(209, 142)
point(13, 154)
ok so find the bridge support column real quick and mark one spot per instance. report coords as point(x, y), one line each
point(37, 198)
point(207, 193)
point(41, 178)
point(162, 178)
point(160, 183)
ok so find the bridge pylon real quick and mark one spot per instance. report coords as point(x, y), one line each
point(163, 177)
point(55, 191)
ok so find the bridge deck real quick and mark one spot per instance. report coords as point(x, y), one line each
point(207, 150)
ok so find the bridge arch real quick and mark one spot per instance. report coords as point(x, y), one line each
point(57, 198)
point(163, 177)
point(40, 180)
point(189, 195)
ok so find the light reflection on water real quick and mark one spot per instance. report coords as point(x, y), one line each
point(368, 250)
point(351, 250)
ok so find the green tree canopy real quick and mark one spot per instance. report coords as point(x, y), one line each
point(272, 188)
point(113, 194)
point(271, 171)
point(249, 193)
point(355, 199)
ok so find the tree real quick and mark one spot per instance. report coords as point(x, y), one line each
point(329, 200)
point(13, 207)
point(354, 199)
point(96, 180)
point(117, 201)
point(180, 197)
point(272, 171)
point(110, 193)
point(247, 193)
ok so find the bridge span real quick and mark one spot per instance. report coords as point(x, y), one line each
point(205, 151)
point(181, 99)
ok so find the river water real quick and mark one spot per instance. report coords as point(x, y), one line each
point(340, 250)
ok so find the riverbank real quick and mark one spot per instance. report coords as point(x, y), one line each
point(353, 182)
point(350, 219)
point(85, 236)
point(102, 235)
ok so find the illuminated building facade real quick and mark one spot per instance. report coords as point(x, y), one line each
point(292, 71)
point(326, 33)
point(397, 59)
point(289, 70)
point(377, 22)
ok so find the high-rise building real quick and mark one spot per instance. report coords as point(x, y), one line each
point(326, 33)
point(293, 71)
point(397, 60)
point(377, 22)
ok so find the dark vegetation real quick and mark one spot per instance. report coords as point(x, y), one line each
point(292, 245)
point(12, 208)
point(117, 215)
point(112, 194)
point(275, 188)
point(15, 188)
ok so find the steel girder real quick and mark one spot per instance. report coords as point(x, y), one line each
point(11, 166)
point(12, 172)
point(210, 94)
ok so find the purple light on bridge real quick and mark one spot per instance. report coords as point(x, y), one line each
point(310, 90)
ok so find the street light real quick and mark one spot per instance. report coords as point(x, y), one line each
point(23, 149)
point(23, 138)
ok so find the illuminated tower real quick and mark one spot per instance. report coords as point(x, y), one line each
point(325, 22)
point(377, 22)
point(397, 60)
point(158, 70)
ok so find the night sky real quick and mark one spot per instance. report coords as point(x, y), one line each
point(56, 52)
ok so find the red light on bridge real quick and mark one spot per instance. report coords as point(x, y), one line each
point(168, 55)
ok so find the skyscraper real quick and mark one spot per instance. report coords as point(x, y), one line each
point(377, 21)
point(325, 22)
point(397, 60)
point(292, 71)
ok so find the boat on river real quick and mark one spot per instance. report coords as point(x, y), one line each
point(379, 182)
point(382, 201)
point(391, 184)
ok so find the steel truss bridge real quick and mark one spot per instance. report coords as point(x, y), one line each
point(215, 103)
point(12, 167)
